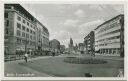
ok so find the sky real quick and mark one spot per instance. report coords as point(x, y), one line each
point(65, 21)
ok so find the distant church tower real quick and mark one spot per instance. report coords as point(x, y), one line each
point(71, 46)
point(71, 43)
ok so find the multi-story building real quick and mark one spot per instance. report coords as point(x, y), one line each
point(89, 43)
point(109, 37)
point(81, 47)
point(42, 37)
point(21, 30)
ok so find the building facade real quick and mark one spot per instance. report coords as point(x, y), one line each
point(109, 36)
point(42, 37)
point(89, 41)
point(21, 30)
point(81, 48)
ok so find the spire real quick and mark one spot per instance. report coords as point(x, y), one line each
point(71, 42)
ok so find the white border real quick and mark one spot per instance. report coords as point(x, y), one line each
point(59, 2)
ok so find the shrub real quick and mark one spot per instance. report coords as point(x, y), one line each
point(76, 60)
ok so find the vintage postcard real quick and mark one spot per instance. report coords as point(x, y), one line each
point(64, 39)
point(65, 80)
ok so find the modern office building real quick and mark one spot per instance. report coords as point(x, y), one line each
point(109, 37)
point(21, 30)
point(89, 41)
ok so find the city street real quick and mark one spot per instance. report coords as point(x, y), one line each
point(64, 40)
point(55, 66)
point(13, 68)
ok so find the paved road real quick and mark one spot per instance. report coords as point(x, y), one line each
point(13, 68)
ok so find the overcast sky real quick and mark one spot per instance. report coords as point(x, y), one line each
point(72, 20)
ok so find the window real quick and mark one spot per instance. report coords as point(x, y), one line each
point(27, 35)
point(117, 37)
point(7, 7)
point(31, 37)
point(23, 28)
point(18, 33)
point(23, 34)
point(31, 31)
point(34, 37)
point(5, 15)
point(18, 18)
point(31, 25)
point(24, 41)
point(24, 21)
point(30, 43)
point(18, 40)
point(28, 23)
point(34, 27)
point(6, 31)
point(7, 23)
point(27, 30)
point(18, 25)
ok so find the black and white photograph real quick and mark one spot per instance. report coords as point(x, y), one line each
point(64, 80)
point(64, 40)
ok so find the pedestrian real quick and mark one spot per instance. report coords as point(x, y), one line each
point(26, 57)
point(53, 54)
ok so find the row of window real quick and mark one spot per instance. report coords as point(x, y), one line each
point(26, 35)
point(19, 25)
point(107, 39)
point(110, 51)
point(108, 27)
point(105, 44)
point(24, 21)
point(21, 41)
point(87, 38)
point(8, 7)
point(25, 29)
point(45, 33)
point(116, 31)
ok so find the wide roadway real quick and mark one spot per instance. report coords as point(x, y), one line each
point(46, 66)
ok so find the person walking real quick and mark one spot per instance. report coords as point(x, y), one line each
point(53, 54)
point(26, 57)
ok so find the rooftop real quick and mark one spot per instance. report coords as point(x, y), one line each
point(110, 20)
